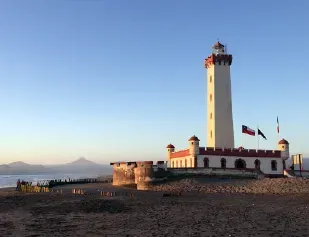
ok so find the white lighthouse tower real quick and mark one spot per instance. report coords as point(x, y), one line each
point(220, 130)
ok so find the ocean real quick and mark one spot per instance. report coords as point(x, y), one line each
point(10, 180)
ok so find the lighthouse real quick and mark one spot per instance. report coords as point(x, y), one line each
point(220, 130)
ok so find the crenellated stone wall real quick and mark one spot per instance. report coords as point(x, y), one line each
point(141, 173)
point(123, 173)
point(144, 175)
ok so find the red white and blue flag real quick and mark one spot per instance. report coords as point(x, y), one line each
point(247, 130)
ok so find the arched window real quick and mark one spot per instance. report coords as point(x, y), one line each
point(180, 163)
point(273, 165)
point(191, 163)
point(257, 164)
point(284, 165)
point(206, 162)
point(186, 163)
point(223, 163)
point(176, 163)
point(173, 164)
point(240, 164)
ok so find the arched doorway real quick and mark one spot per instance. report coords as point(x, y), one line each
point(257, 164)
point(206, 162)
point(240, 164)
point(223, 163)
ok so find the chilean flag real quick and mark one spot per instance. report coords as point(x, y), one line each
point(248, 130)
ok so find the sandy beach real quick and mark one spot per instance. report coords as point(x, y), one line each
point(150, 214)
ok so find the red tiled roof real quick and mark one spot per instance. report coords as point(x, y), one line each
point(218, 45)
point(194, 138)
point(170, 146)
point(179, 154)
point(283, 142)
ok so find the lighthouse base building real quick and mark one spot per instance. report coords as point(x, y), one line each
point(268, 162)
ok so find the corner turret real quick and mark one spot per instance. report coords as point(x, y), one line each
point(170, 149)
point(284, 147)
point(194, 145)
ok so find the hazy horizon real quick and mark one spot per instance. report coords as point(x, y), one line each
point(114, 81)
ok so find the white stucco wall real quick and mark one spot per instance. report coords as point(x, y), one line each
point(174, 162)
point(265, 163)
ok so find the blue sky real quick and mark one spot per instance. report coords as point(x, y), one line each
point(119, 80)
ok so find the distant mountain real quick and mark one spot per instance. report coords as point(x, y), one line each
point(21, 167)
point(80, 165)
point(82, 162)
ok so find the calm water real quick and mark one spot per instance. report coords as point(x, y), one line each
point(10, 180)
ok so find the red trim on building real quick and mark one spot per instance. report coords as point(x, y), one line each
point(212, 59)
point(240, 153)
point(179, 154)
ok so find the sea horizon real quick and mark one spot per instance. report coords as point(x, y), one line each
point(9, 180)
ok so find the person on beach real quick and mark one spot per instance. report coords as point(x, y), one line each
point(18, 185)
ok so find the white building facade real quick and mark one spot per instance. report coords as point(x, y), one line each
point(269, 162)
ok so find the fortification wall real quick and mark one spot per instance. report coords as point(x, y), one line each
point(144, 175)
point(123, 173)
point(141, 173)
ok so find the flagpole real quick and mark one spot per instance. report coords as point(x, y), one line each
point(278, 136)
point(258, 138)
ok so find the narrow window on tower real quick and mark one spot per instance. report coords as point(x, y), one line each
point(210, 115)
point(210, 79)
point(210, 134)
point(210, 97)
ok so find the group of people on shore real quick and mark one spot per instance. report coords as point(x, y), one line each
point(53, 183)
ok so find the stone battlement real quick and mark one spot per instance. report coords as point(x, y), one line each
point(217, 151)
point(132, 164)
point(139, 173)
point(239, 152)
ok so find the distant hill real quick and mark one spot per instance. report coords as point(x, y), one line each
point(21, 167)
point(82, 162)
point(80, 165)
